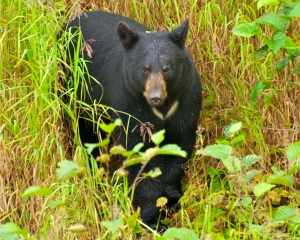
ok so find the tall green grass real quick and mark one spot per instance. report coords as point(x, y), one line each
point(34, 137)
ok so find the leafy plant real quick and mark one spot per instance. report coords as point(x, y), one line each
point(280, 21)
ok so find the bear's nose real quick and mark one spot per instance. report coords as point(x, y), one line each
point(155, 101)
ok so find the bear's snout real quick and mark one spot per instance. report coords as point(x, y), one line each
point(155, 90)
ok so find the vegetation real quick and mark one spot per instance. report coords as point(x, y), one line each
point(243, 180)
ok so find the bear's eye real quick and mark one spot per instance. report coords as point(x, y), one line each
point(145, 70)
point(166, 69)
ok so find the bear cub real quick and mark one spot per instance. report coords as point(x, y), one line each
point(150, 76)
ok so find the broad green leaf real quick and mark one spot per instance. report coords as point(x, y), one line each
point(278, 40)
point(269, 43)
point(246, 29)
point(236, 127)
point(263, 3)
point(109, 128)
point(290, 44)
point(37, 191)
point(261, 188)
point(249, 160)
point(219, 151)
point(244, 202)
point(229, 163)
point(297, 70)
point(150, 153)
point(91, 146)
point(281, 64)
point(256, 228)
point(68, 169)
point(274, 20)
point(295, 12)
point(153, 173)
point(180, 234)
point(8, 236)
point(172, 149)
point(251, 174)
point(138, 147)
point(256, 90)
point(238, 139)
point(132, 220)
point(54, 204)
point(12, 228)
point(158, 137)
point(284, 213)
point(134, 161)
point(261, 51)
point(293, 151)
point(112, 226)
point(293, 52)
point(119, 149)
point(281, 179)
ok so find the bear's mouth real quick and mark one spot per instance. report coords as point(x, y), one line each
point(155, 90)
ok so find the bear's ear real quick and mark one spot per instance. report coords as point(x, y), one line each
point(179, 34)
point(127, 37)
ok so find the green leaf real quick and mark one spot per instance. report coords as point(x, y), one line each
point(244, 202)
point(284, 213)
point(297, 70)
point(278, 40)
point(12, 228)
point(264, 3)
point(138, 147)
point(181, 234)
point(246, 29)
point(132, 220)
point(119, 149)
point(172, 149)
point(261, 188)
point(249, 160)
point(251, 174)
point(219, 151)
point(37, 191)
point(281, 64)
point(109, 128)
point(295, 12)
point(68, 169)
point(91, 146)
point(158, 137)
point(293, 52)
point(238, 139)
point(293, 151)
point(236, 127)
point(274, 20)
point(232, 164)
point(153, 173)
point(134, 161)
point(256, 90)
point(150, 153)
point(261, 51)
point(281, 179)
point(112, 226)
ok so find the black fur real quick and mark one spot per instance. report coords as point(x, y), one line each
point(121, 49)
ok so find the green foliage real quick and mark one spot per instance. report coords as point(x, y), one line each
point(280, 21)
point(240, 177)
point(10, 231)
point(178, 233)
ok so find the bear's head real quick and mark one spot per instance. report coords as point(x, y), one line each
point(156, 64)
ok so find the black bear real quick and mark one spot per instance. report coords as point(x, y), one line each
point(148, 75)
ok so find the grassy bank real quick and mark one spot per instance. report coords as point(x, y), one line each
point(34, 139)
